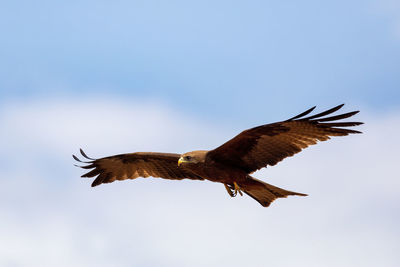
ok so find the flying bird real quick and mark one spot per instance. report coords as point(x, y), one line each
point(233, 162)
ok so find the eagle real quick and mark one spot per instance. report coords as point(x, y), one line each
point(233, 162)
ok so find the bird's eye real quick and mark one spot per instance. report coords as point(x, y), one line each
point(188, 158)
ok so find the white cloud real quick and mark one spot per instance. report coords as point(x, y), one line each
point(51, 217)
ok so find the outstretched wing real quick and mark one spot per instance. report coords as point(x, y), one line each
point(134, 165)
point(268, 144)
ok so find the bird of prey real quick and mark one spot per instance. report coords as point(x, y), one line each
point(233, 162)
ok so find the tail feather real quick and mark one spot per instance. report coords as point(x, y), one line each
point(264, 193)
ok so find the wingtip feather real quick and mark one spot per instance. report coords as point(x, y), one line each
point(308, 111)
point(96, 182)
point(324, 113)
point(338, 117)
point(79, 160)
point(84, 154)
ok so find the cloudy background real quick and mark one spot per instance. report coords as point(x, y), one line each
point(177, 76)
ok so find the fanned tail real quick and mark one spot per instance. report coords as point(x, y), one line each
point(264, 193)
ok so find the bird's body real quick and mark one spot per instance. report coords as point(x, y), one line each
point(211, 170)
point(232, 162)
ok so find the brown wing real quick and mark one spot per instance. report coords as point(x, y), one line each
point(268, 144)
point(134, 165)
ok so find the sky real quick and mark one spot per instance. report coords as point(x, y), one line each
point(125, 76)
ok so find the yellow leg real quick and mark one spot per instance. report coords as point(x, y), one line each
point(229, 190)
point(237, 189)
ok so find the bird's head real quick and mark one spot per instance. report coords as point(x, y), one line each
point(192, 157)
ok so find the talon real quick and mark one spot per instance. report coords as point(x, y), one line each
point(229, 190)
point(237, 189)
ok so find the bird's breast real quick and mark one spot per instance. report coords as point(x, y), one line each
point(218, 173)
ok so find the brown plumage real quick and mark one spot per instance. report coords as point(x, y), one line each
point(232, 162)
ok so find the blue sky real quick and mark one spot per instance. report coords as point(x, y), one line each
point(205, 57)
point(175, 76)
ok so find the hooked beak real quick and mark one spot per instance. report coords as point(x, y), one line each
point(180, 161)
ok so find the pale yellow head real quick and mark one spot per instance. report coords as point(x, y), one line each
point(192, 157)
